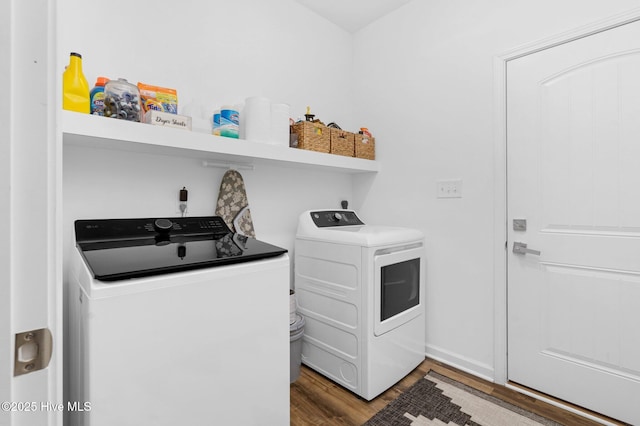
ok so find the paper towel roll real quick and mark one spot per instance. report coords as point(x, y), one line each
point(229, 121)
point(256, 119)
point(240, 109)
point(279, 124)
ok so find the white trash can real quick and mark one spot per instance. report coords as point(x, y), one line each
point(296, 330)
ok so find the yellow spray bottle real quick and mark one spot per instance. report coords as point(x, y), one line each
point(75, 88)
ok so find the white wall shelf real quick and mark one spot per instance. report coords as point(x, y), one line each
point(99, 132)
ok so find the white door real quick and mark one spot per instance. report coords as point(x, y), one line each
point(30, 298)
point(573, 160)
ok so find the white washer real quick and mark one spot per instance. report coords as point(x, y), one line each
point(208, 345)
point(361, 290)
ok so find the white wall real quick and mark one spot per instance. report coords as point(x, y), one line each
point(217, 53)
point(424, 87)
point(421, 79)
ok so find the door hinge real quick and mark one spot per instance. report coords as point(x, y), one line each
point(32, 351)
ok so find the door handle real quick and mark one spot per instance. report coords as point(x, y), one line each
point(521, 248)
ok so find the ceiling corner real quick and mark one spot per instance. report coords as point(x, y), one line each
point(352, 15)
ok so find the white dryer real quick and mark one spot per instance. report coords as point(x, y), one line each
point(361, 289)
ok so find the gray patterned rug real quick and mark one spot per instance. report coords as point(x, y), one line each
point(438, 400)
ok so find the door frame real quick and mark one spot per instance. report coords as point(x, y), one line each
point(5, 216)
point(31, 175)
point(500, 225)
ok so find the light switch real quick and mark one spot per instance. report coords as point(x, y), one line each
point(450, 188)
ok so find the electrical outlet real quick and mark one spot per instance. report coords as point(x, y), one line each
point(450, 188)
point(179, 211)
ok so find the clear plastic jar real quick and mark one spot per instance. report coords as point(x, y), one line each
point(122, 100)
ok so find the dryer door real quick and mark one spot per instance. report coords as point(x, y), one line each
point(398, 289)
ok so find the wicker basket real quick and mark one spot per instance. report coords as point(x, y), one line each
point(365, 147)
point(312, 136)
point(342, 143)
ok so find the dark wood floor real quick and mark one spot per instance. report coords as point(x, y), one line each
point(316, 400)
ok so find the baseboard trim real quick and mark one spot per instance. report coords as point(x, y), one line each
point(599, 418)
point(460, 362)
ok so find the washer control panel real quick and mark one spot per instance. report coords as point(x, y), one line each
point(122, 229)
point(328, 218)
